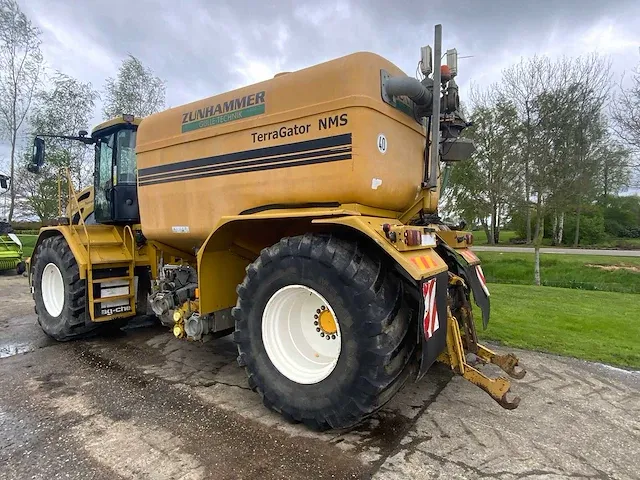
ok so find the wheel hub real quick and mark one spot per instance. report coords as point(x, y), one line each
point(325, 323)
point(52, 286)
point(295, 324)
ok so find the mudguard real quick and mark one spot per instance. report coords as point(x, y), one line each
point(432, 319)
point(469, 267)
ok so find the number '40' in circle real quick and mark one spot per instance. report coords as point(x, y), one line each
point(382, 143)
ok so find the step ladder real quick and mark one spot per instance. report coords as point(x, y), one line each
point(111, 282)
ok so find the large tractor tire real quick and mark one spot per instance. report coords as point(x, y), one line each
point(59, 292)
point(324, 330)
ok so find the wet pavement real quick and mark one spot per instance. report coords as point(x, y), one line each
point(142, 404)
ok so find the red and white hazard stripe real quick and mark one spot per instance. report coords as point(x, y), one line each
point(430, 319)
point(483, 282)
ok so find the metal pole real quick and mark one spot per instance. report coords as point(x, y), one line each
point(435, 116)
point(59, 196)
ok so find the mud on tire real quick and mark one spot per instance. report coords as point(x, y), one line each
point(377, 329)
point(72, 322)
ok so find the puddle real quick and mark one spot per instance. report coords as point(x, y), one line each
point(15, 349)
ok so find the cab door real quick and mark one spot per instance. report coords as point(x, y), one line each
point(115, 182)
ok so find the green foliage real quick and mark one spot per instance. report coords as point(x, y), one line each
point(565, 322)
point(592, 229)
point(519, 221)
point(484, 186)
point(135, 91)
point(622, 216)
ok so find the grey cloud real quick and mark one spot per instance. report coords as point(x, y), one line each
point(201, 47)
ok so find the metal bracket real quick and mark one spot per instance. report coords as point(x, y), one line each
point(454, 355)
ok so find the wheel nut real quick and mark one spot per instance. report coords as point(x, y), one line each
point(317, 311)
point(315, 316)
point(328, 337)
point(322, 307)
point(333, 337)
point(322, 334)
point(318, 329)
point(315, 323)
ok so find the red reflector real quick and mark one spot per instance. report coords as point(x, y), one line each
point(412, 237)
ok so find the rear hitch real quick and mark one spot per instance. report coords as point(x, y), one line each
point(454, 356)
point(509, 363)
point(457, 356)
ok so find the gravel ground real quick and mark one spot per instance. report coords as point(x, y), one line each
point(142, 404)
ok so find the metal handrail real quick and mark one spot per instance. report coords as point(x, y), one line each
point(127, 228)
point(72, 194)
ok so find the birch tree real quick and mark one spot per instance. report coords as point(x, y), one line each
point(63, 109)
point(21, 65)
point(135, 90)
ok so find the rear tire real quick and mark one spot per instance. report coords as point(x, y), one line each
point(59, 292)
point(376, 330)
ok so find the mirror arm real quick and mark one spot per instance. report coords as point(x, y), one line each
point(85, 140)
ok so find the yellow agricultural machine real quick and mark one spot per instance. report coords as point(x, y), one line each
point(10, 244)
point(299, 214)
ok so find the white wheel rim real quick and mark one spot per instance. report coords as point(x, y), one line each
point(294, 345)
point(52, 289)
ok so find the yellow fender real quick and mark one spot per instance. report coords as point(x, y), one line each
point(74, 244)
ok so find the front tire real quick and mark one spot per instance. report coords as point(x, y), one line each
point(59, 292)
point(324, 330)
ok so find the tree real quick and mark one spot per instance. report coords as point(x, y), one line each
point(625, 111)
point(522, 84)
point(20, 68)
point(615, 174)
point(135, 90)
point(38, 194)
point(487, 185)
point(63, 109)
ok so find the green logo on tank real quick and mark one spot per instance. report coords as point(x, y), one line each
point(229, 111)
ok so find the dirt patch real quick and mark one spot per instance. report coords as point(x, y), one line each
point(612, 268)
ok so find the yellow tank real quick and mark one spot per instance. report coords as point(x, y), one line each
point(321, 135)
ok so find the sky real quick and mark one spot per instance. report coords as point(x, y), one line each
point(202, 48)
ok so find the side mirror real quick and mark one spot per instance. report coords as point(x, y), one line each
point(38, 155)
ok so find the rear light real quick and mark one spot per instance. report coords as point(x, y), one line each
point(413, 237)
point(469, 237)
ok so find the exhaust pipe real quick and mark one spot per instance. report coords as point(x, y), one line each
point(409, 87)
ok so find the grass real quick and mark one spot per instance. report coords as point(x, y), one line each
point(480, 237)
point(596, 326)
point(28, 242)
point(568, 271)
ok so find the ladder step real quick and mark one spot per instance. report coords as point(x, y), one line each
point(125, 296)
point(112, 279)
point(102, 243)
point(118, 262)
point(110, 317)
